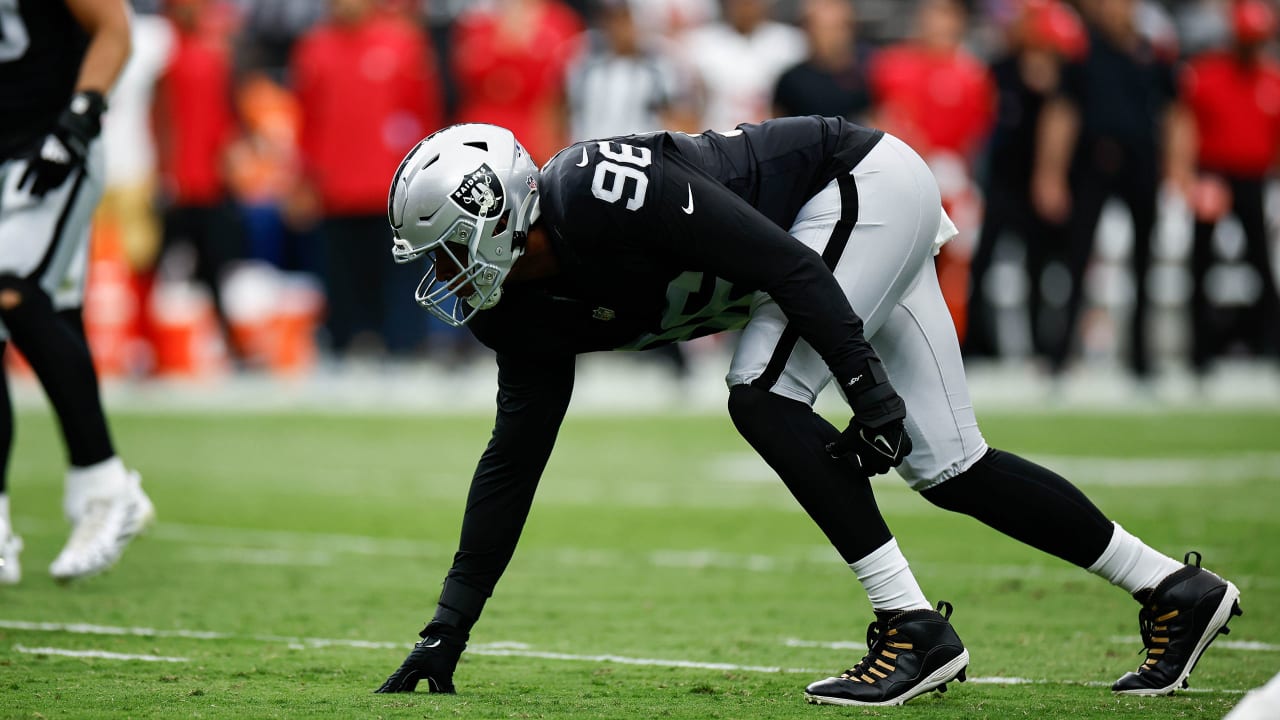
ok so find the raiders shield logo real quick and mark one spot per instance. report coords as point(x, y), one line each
point(480, 193)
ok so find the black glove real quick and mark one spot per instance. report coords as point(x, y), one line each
point(65, 148)
point(433, 659)
point(875, 436)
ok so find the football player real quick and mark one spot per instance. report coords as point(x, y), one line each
point(58, 59)
point(815, 237)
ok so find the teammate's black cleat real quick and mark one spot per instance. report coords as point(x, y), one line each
point(909, 654)
point(433, 659)
point(1178, 620)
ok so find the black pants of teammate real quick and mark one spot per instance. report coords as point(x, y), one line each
point(1008, 208)
point(54, 344)
point(1103, 169)
point(1259, 324)
point(368, 292)
point(214, 235)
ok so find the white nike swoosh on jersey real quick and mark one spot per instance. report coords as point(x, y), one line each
point(688, 209)
point(584, 158)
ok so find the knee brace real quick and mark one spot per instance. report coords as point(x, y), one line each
point(23, 301)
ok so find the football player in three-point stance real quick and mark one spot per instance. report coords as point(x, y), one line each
point(815, 237)
point(58, 58)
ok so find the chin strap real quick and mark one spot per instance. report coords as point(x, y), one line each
point(489, 302)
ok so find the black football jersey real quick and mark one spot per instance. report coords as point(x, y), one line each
point(659, 238)
point(41, 48)
point(665, 237)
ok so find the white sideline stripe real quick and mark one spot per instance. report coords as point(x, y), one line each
point(835, 645)
point(1246, 645)
point(88, 629)
point(497, 649)
point(103, 654)
point(309, 541)
point(647, 662)
point(272, 557)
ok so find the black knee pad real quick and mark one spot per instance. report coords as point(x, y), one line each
point(747, 403)
point(755, 410)
point(34, 300)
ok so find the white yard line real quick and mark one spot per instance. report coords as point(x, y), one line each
point(90, 629)
point(101, 654)
point(496, 649)
point(297, 540)
point(647, 662)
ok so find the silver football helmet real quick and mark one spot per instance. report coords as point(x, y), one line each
point(467, 195)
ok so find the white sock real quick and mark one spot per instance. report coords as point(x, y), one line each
point(1129, 563)
point(83, 484)
point(888, 580)
point(6, 525)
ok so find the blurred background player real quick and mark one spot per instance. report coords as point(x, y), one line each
point(832, 80)
point(58, 59)
point(737, 62)
point(128, 206)
point(1102, 136)
point(1230, 115)
point(1043, 35)
point(509, 59)
point(195, 126)
point(366, 88)
point(946, 124)
point(619, 84)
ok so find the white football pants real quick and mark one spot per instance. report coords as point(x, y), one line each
point(887, 272)
point(46, 239)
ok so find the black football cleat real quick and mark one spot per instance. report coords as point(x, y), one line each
point(432, 659)
point(1178, 620)
point(908, 655)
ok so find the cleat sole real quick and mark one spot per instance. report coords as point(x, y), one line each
point(937, 679)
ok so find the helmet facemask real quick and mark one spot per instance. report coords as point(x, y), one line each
point(468, 195)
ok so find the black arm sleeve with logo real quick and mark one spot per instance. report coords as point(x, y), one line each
point(533, 395)
point(726, 236)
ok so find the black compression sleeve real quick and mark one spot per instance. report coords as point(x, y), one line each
point(533, 395)
point(726, 236)
point(1029, 503)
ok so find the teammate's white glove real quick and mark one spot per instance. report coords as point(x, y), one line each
point(875, 436)
point(65, 148)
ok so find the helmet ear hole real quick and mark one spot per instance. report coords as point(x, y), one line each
point(501, 226)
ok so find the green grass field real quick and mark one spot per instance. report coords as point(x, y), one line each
point(297, 556)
